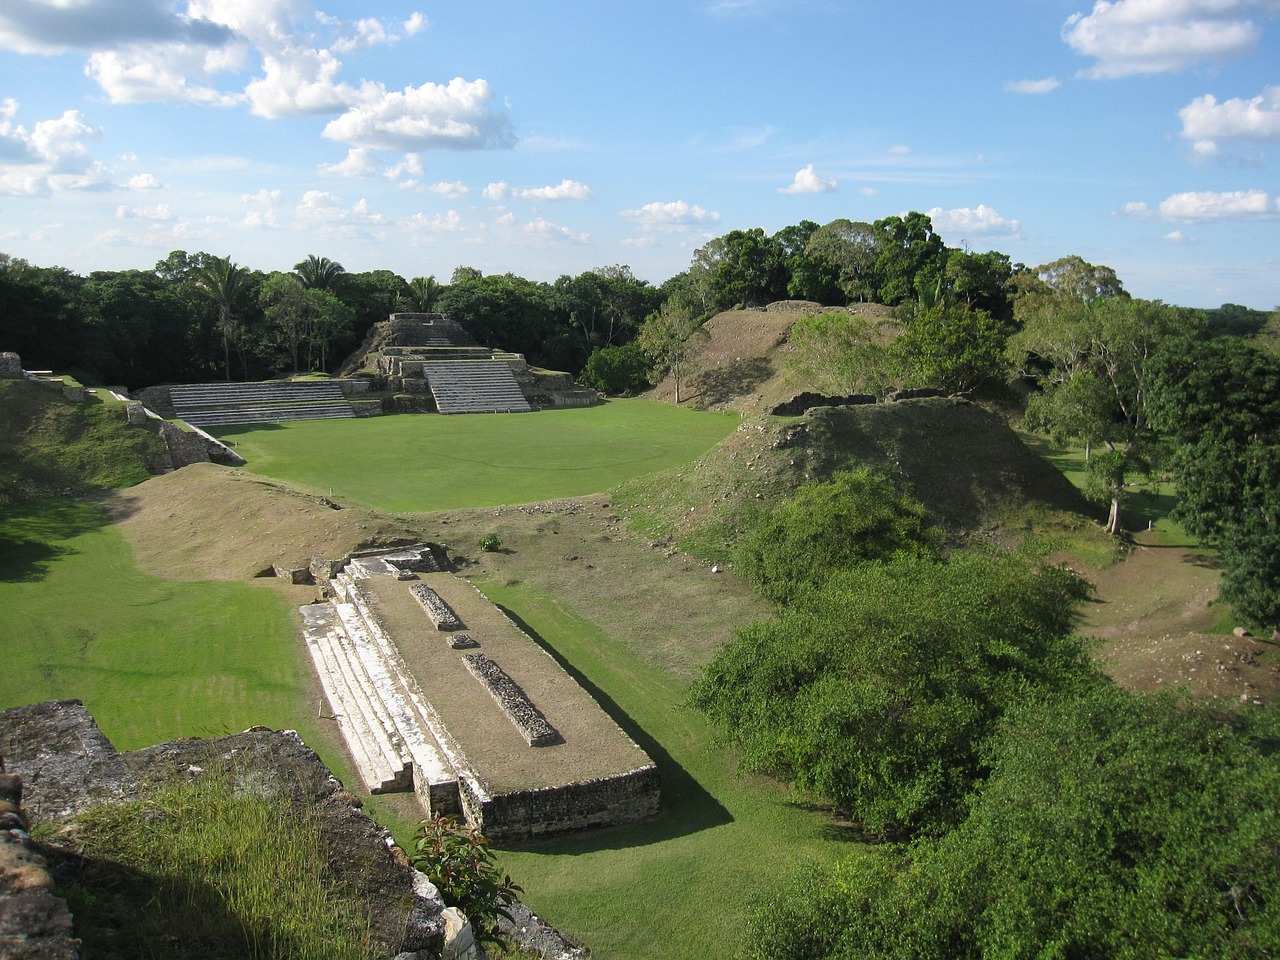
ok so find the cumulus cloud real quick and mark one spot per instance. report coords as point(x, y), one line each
point(160, 211)
point(1047, 85)
point(808, 181)
point(1210, 205)
point(869, 191)
point(449, 222)
point(497, 191)
point(416, 23)
point(542, 230)
point(263, 214)
point(367, 33)
point(143, 181)
point(968, 221)
point(297, 82)
point(52, 155)
point(455, 115)
point(38, 26)
point(1175, 236)
point(676, 214)
point(326, 215)
point(1136, 209)
point(564, 190)
point(359, 162)
point(1206, 121)
point(1129, 37)
point(454, 191)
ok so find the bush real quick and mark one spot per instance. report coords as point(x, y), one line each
point(490, 543)
point(461, 865)
point(876, 691)
point(853, 517)
point(623, 369)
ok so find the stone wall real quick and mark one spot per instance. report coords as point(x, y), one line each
point(10, 366)
point(34, 924)
point(585, 805)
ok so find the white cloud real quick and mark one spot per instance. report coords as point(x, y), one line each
point(1210, 205)
point(1136, 209)
point(143, 181)
point(967, 221)
point(1033, 87)
point(1206, 121)
point(368, 33)
point(359, 162)
point(159, 74)
point(324, 214)
point(297, 82)
point(507, 219)
point(53, 155)
point(454, 191)
point(450, 222)
point(807, 181)
point(564, 190)
point(1129, 37)
point(869, 191)
point(261, 220)
point(1175, 236)
point(543, 230)
point(262, 196)
point(497, 191)
point(674, 215)
point(456, 115)
point(160, 211)
point(28, 26)
point(899, 150)
point(648, 240)
point(415, 24)
point(410, 166)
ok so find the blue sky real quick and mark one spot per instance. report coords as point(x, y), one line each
point(552, 137)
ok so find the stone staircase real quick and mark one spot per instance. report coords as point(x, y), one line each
point(395, 737)
point(220, 404)
point(475, 386)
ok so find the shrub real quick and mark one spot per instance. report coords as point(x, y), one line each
point(459, 862)
point(490, 543)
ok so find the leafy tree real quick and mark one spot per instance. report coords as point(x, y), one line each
point(742, 267)
point(952, 347)
point(844, 254)
point(320, 273)
point(223, 282)
point(980, 281)
point(605, 305)
point(841, 353)
point(910, 257)
point(1220, 401)
point(666, 336)
point(1112, 825)
point(1075, 278)
point(423, 293)
point(876, 691)
point(854, 517)
point(616, 369)
point(1090, 359)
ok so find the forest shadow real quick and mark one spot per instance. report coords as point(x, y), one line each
point(722, 384)
point(34, 535)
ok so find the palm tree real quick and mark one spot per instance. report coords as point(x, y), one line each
point(223, 282)
point(319, 273)
point(423, 291)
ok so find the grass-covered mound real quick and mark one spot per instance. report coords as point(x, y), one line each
point(53, 446)
point(960, 460)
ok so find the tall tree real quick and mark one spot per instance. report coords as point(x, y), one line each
point(1090, 359)
point(910, 258)
point(666, 336)
point(423, 293)
point(1220, 401)
point(319, 273)
point(223, 282)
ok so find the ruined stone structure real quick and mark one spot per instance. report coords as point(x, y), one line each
point(503, 736)
point(431, 357)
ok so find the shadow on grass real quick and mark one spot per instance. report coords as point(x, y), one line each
point(723, 384)
point(33, 535)
point(687, 807)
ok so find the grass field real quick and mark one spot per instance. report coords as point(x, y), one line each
point(152, 659)
point(414, 463)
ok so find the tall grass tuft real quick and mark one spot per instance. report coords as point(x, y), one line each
point(207, 869)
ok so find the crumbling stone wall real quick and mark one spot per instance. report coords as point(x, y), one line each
point(10, 366)
point(34, 924)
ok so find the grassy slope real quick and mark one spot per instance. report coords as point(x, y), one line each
point(407, 463)
point(50, 445)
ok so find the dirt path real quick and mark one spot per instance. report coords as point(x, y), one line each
point(1154, 613)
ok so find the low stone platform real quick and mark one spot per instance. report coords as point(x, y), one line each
point(518, 747)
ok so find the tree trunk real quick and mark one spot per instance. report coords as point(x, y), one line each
point(1113, 517)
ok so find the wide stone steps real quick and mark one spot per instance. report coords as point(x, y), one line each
point(475, 386)
point(382, 766)
point(224, 393)
point(267, 413)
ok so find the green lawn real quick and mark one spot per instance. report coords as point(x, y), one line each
point(412, 463)
point(678, 887)
point(152, 659)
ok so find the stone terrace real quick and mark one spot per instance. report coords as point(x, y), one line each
point(415, 717)
point(217, 404)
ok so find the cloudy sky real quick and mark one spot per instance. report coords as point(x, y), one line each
point(545, 138)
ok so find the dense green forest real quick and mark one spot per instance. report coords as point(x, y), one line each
point(197, 316)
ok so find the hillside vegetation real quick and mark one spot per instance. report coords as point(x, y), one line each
point(53, 446)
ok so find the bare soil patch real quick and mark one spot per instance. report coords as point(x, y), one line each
point(1153, 614)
